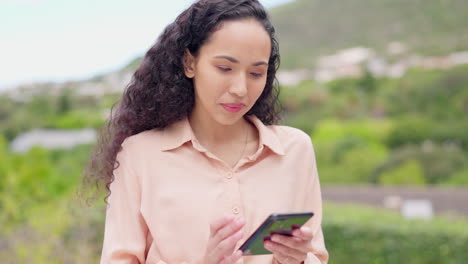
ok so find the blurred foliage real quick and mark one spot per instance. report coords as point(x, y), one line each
point(458, 178)
point(59, 231)
point(411, 130)
point(64, 110)
point(381, 236)
point(37, 177)
point(348, 152)
point(410, 172)
point(438, 163)
point(42, 217)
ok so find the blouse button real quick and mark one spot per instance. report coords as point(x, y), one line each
point(235, 210)
point(229, 175)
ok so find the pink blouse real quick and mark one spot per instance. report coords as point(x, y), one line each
point(169, 188)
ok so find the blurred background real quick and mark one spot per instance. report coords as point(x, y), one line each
point(380, 86)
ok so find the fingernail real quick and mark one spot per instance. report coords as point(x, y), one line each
point(275, 238)
point(305, 229)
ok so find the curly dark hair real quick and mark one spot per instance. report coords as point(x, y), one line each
point(160, 94)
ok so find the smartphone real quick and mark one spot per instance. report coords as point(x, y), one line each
point(282, 224)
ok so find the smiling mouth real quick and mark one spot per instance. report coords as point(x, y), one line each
point(233, 108)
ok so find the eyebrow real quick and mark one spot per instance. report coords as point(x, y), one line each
point(231, 59)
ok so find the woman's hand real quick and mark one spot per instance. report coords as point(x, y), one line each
point(290, 250)
point(225, 232)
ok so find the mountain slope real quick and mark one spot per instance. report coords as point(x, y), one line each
point(310, 28)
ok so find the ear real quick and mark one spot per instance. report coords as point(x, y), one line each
point(189, 64)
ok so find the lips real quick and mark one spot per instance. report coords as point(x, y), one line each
point(233, 107)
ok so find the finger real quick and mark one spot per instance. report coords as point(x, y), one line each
point(233, 258)
point(304, 233)
point(283, 250)
point(284, 259)
point(291, 242)
point(228, 230)
point(219, 223)
point(226, 247)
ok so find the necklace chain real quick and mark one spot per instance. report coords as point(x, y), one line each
point(245, 145)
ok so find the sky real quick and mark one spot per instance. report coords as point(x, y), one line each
point(60, 40)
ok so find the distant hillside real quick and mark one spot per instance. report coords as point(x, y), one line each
point(310, 28)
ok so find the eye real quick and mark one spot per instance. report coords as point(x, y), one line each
point(258, 75)
point(224, 69)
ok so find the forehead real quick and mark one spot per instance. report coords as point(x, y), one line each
point(245, 40)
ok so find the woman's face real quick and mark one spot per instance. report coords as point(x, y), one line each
point(229, 73)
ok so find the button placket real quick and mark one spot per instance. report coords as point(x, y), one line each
point(232, 192)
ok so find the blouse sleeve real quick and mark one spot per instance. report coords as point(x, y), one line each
point(310, 199)
point(125, 229)
point(318, 253)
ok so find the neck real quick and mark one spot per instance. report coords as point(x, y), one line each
point(209, 132)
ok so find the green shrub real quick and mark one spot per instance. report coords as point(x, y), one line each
point(60, 231)
point(77, 120)
point(439, 162)
point(458, 178)
point(357, 235)
point(369, 130)
point(412, 130)
point(349, 152)
point(409, 172)
point(453, 132)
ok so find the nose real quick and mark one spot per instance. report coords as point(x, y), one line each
point(239, 86)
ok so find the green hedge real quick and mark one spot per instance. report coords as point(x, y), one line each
point(357, 235)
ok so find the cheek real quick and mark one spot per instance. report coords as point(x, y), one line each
point(256, 91)
point(210, 88)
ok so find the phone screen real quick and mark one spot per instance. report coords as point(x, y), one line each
point(282, 224)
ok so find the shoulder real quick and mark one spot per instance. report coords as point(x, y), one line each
point(143, 142)
point(148, 137)
point(291, 135)
point(140, 149)
point(298, 148)
point(293, 139)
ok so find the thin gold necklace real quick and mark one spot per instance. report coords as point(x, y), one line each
point(245, 144)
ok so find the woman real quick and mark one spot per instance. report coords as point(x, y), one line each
point(199, 164)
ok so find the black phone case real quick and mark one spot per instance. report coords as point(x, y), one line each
point(282, 224)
